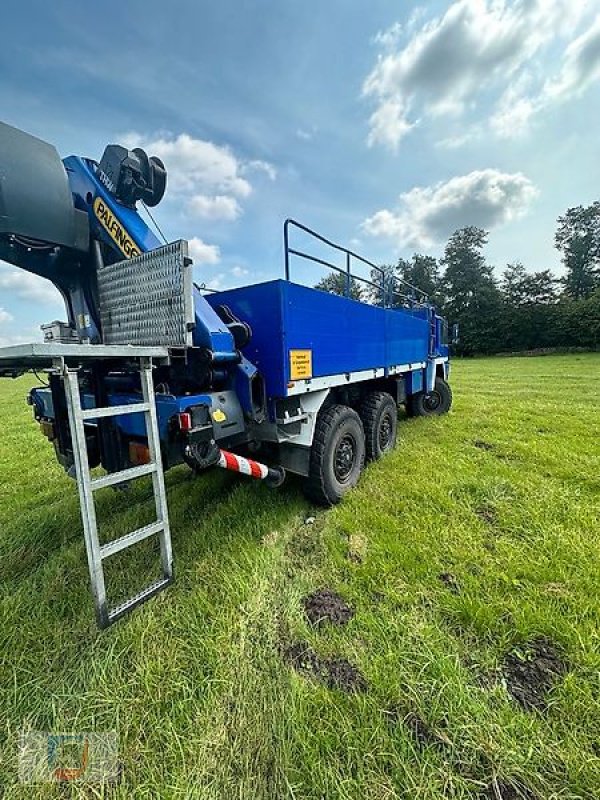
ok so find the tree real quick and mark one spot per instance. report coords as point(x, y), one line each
point(335, 283)
point(420, 271)
point(472, 296)
point(423, 272)
point(520, 287)
point(578, 240)
point(529, 316)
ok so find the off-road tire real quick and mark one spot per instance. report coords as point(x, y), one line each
point(337, 455)
point(430, 404)
point(379, 415)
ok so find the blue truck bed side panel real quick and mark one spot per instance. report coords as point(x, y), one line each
point(344, 335)
point(261, 306)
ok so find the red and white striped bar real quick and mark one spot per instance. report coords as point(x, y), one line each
point(247, 466)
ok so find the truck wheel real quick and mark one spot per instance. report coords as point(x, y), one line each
point(379, 416)
point(427, 404)
point(337, 455)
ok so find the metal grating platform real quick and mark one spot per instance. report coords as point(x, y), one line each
point(147, 300)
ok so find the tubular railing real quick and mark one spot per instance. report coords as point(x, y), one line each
point(385, 291)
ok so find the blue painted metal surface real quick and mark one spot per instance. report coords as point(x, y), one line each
point(344, 335)
point(167, 406)
point(86, 187)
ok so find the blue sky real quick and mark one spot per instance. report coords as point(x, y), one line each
point(382, 124)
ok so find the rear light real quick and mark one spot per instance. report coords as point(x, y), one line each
point(138, 453)
point(185, 421)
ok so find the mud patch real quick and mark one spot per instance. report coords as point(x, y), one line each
point(508, 790)
point(531, 671)
point(335, 673)
point(450, 582)
point(483, 445)
point(326, 606)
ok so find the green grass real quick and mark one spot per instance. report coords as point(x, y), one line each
point(194, 682)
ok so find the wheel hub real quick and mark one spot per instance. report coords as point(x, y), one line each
point(344, 458)
point(432, 401)
point(385, 432)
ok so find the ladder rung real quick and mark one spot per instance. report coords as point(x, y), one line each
point(110, 548)
point(114, 411)
point(123, 476)
point(140, 597)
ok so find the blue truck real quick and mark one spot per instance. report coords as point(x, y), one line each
point(151, 370)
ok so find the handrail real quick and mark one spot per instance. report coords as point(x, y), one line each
point(386, 292)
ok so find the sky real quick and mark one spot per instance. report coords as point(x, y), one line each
point(383, 125)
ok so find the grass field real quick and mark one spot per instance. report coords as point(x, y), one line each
point(470, 556)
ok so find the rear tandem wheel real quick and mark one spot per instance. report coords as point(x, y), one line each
point(379, 415)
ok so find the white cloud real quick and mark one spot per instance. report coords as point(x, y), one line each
point(580, 67)
point(389, 124)
point(5, 316)
point(307, 133)
point(28, 286)
point(444, 66)
point(218, 207)
point(202, 253)
point(430, 214)
point(260, 166)
point(194, 164)
point(214, 282)
point(239, 272)
point(207, 180)
point(389, 38)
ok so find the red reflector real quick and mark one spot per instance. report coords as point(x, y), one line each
point(185, 421)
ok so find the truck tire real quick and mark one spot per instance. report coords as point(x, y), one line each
point(379, 416)
point(428, 404)
point(337, 455)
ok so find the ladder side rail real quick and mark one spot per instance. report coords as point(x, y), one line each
point(86, 496)
point(158, 478)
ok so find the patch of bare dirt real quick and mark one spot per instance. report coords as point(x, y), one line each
point(481, 444)
point(325, 605)
point(487, 514)
point(335, 673)
point(531, 670)
point(450, 582)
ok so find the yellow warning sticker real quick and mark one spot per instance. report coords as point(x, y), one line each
point(300, 364)
point(219, 416)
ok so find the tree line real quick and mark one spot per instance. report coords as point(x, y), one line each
point(521, 310)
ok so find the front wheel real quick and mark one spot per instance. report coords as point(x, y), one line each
point(427, 404)
point(337, 455)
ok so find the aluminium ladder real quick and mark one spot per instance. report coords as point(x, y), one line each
point(87, 485)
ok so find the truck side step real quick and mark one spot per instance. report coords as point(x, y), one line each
point(97, 553)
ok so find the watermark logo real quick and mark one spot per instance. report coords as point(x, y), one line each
point(68, 757)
